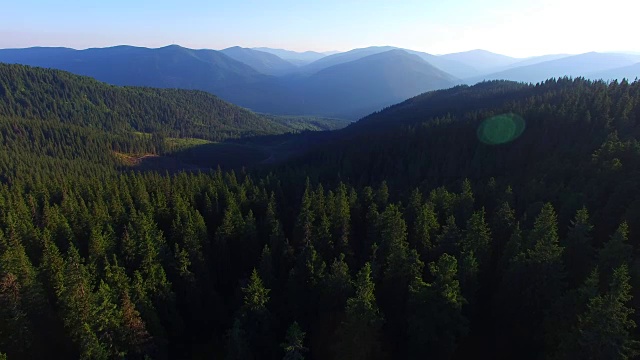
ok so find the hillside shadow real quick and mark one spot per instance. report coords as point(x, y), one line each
point(251, 152)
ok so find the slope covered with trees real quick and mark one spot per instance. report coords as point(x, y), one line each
point(427, 230)
point(171, 66)
point(53, 95)
point(348, 87)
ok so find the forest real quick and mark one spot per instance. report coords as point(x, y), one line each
point(417, 232)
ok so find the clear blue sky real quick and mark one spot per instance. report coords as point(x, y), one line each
point(512, 27)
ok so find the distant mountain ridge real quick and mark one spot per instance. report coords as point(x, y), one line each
point(630, 73)
point(481, 60)
point(573, 66)
point(347, 84)
point(294, 57)
point(167, 67)
point(350, 90)
point(344, 57)
point(263, 62)
point(247, 76)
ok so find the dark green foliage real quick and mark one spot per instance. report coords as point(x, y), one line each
point(359, 334)
point(602, 323)
point(256, 295)
point(579, 248)
point(615, 252)
point(435, 311)
point(604, 329)
point(534, 278)
point(293, 347)
point(62, 98)
point(478, 237)
point(96, 262)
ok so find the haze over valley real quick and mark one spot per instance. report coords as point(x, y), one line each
point(345, 85)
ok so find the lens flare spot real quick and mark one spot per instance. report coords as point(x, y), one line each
point(501, 129)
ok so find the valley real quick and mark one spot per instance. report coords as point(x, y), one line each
point(319, 180)
point(345, 85)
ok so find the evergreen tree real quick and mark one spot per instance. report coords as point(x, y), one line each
point(341, 221)
point(615, 252)
point(435, 312)
point(256, 295)
point(338, 285)
point(293, 346)
point(359, 335)
point(425, 229)
point(237, 347)
point(266, 266)
point(304, 225)
point(535, 279)
point(605, 328)
point(450, 237)
point(15, 327)
point(579, 252)
point(478, 237)
point(135, 338)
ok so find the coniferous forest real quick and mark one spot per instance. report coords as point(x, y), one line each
point(426, 230)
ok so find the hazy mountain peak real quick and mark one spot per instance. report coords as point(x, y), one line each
point(294, 57)
point(574, 65)
point(168, 67)
point(480, 59)
point(261, 61)
point(344, 57)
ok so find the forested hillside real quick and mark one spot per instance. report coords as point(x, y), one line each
point(53, 95)
point(170, 66)
point(52, 120)
point(493, 221)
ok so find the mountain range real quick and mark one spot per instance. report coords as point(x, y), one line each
point(348, 85)
point(119, 240)
point(294, 57)
point(586, 65)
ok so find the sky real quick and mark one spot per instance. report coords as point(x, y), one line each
point(518, 28)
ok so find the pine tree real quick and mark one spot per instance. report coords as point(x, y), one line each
point(562, 335)
point(15, 327)
point(256, 295)
point(478, 237)
point(338, 285)
point(306, 217)
point(77, 304)
point(534, 280)
point(237, 347)
point(51, 269)
point(615, 252)
point(425, 228)
point(544, 237)
point(359, 334)
point(503, 224)
point(254, 327)
point(341, 222)
point(134, 335)
point(579, 251)
point(393, 234)
point(293, 346)
point(450, 237)
point(265, 269)
point(382, 196)
point(435, 320)
point(464, 203)
point(605, 328)
point(106, 321)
